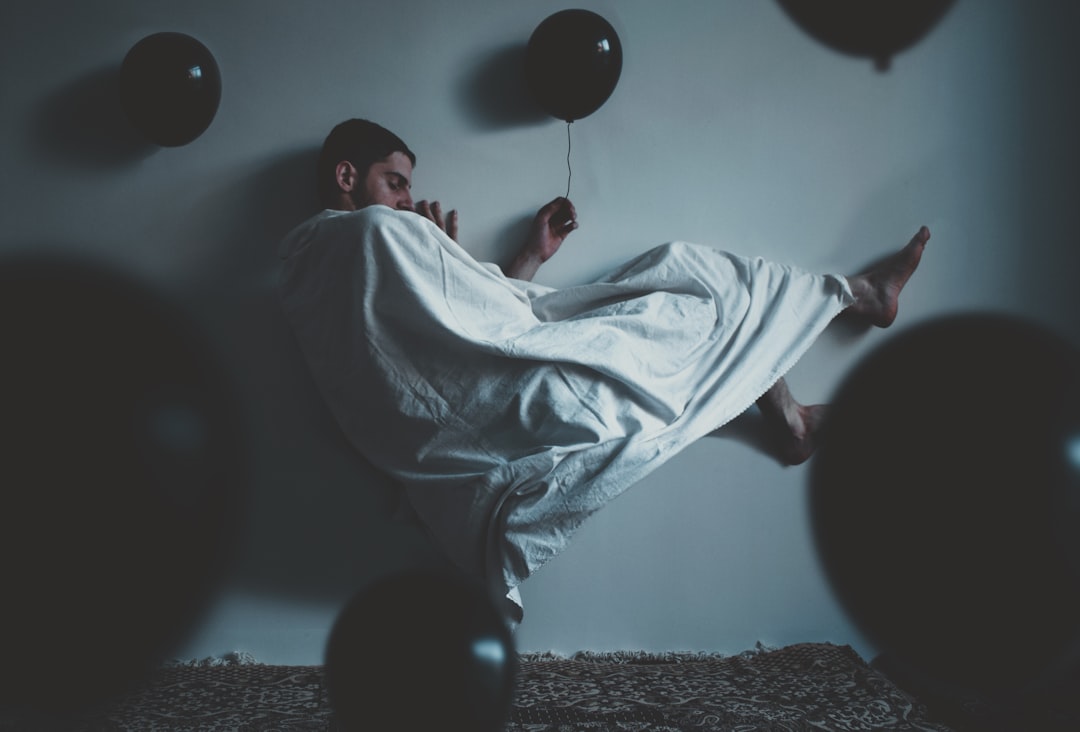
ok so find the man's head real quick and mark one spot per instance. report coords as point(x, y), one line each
point(362, 164)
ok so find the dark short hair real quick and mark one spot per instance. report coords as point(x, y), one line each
point(360, 142)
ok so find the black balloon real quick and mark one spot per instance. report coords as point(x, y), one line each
point(877, 29)
point(123, 476)
point(572, 63)
point(170, 87)
point(421, 651)
point(946, 501)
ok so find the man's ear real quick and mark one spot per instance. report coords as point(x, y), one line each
point(346, 176)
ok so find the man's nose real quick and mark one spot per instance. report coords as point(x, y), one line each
point(406, 202)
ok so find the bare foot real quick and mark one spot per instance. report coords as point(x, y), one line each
point(797, 440)
point(794, 426)
point(877, 291)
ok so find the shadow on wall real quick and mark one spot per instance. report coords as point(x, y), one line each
point(322, 520)
point(83, 123)
point(750, 429)
point(494, 95)
point(248, 219)
point(510, 237)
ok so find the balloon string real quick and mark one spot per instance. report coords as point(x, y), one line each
point(569, 171)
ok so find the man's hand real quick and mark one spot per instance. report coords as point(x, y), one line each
point(552, 224)
point(433, 212)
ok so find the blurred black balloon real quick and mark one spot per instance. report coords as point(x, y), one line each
point(946, 502)
point(123, 481)
point(421, 651)
point(170, 87)
point(572, 63)
point(879, 29)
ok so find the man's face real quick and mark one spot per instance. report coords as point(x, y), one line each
point(388, 182)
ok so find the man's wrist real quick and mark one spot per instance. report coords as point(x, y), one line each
point(525, 264)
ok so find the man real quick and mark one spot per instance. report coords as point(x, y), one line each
point(511, 411)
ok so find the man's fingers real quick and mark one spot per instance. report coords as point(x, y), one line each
point(563, 217)
point(429, 210)
point(433, 212)
point(452, 225)
point(553, 206)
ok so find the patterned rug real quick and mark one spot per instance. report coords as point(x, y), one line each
point(801, 687)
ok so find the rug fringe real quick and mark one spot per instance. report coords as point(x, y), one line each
point(235, 658)
point(643, 656)
point(243, 658)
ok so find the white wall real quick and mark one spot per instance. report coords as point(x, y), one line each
point(728, 126)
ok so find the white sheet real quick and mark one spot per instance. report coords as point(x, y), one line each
point(511, 411)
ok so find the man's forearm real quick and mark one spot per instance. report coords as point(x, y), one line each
point(524, 266)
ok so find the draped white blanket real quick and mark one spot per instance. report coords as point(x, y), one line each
point(511, 411)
